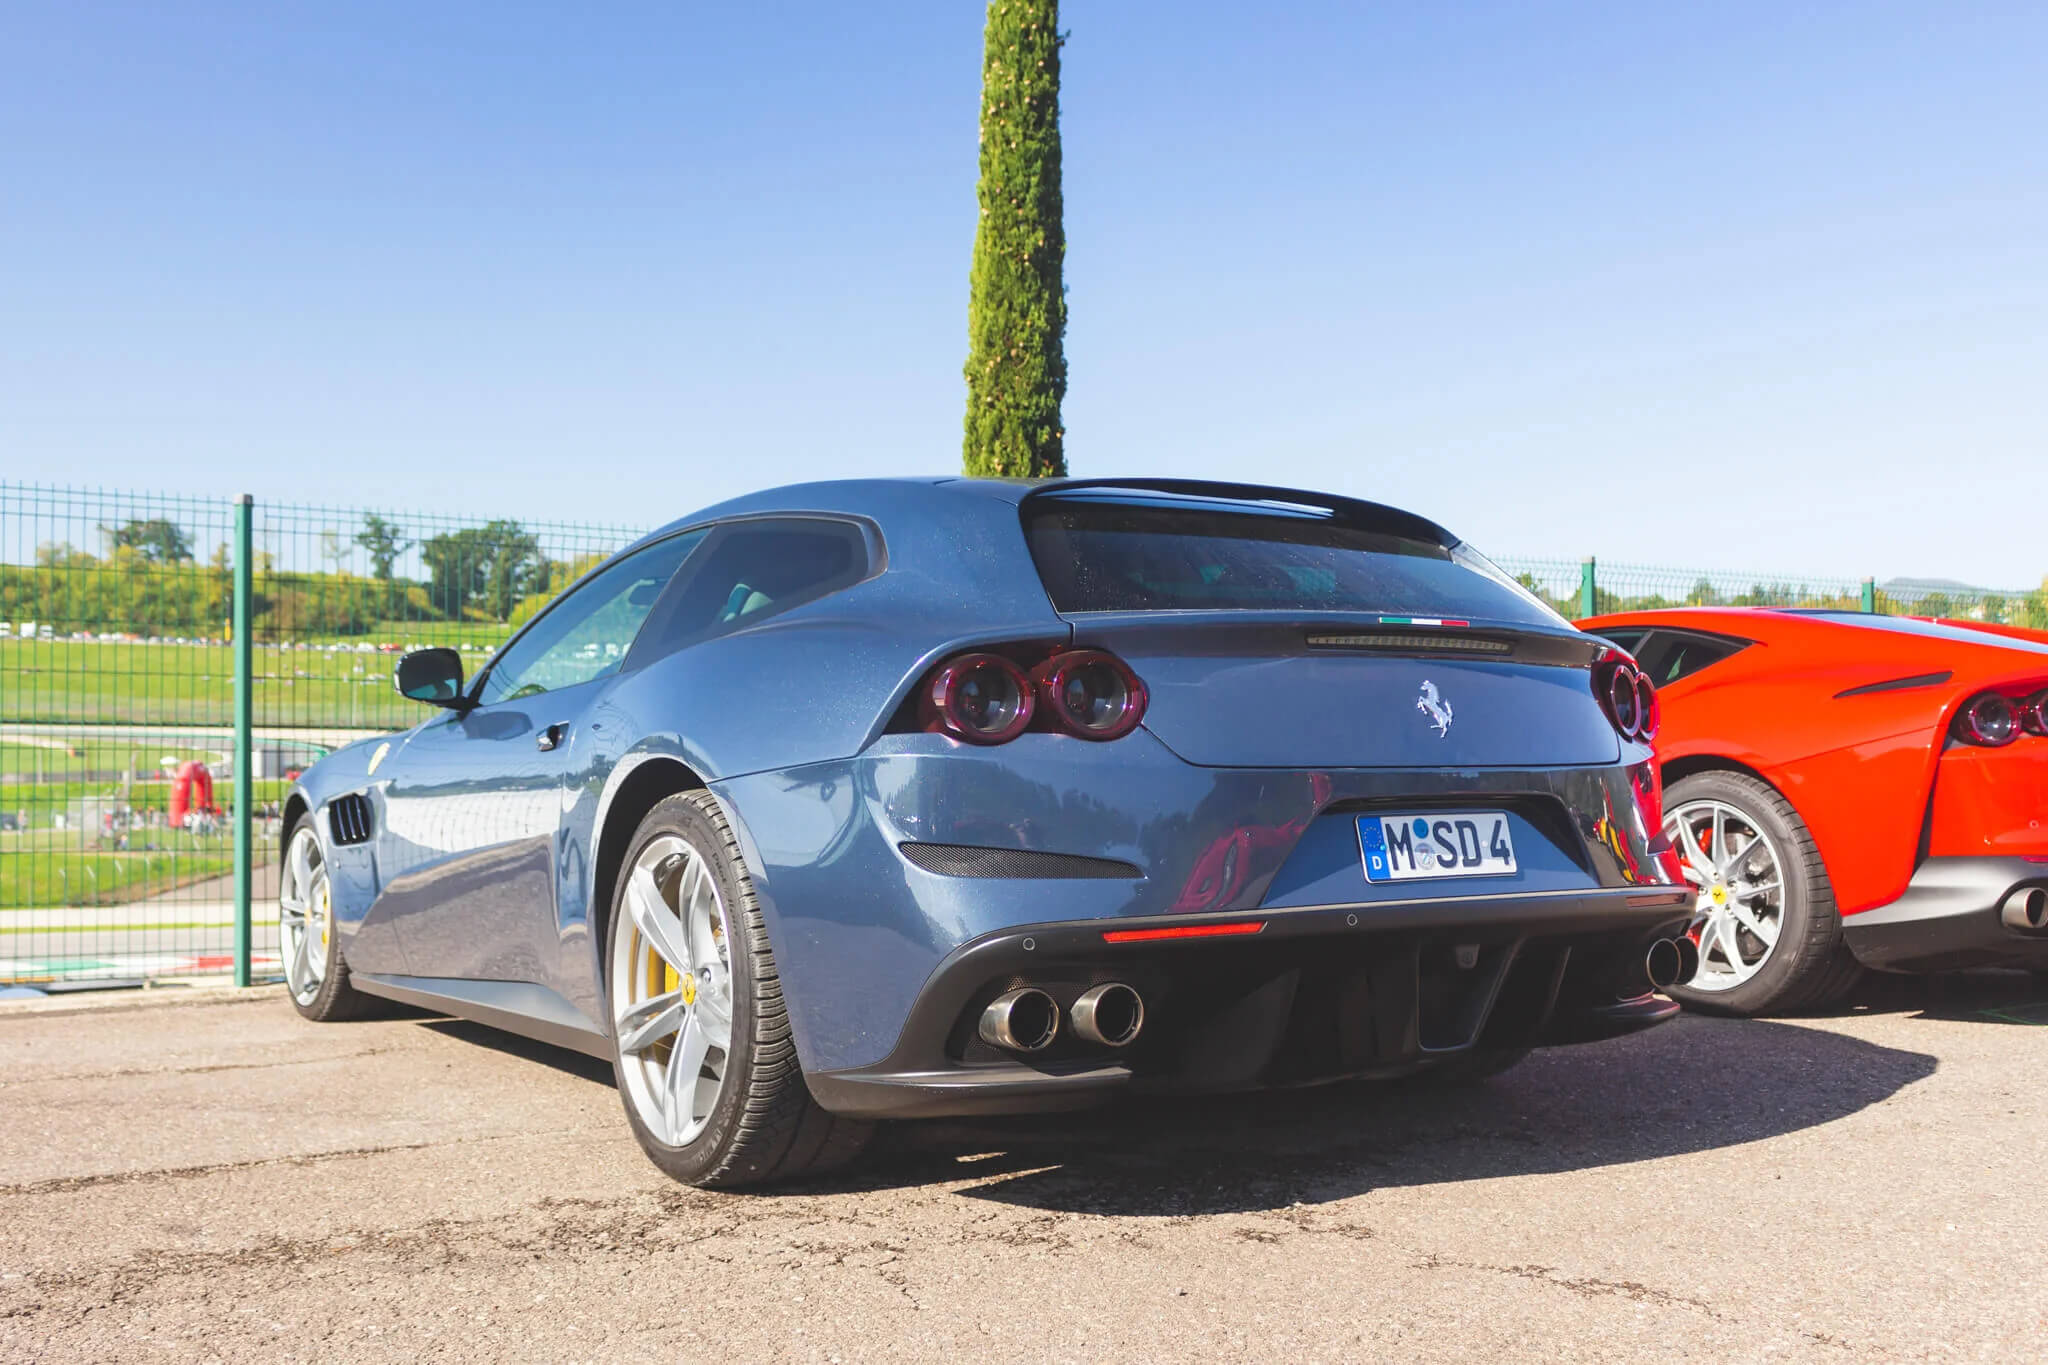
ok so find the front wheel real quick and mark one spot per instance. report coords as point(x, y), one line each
point(314, 971)
point(1769, 937)
point(702, 1048)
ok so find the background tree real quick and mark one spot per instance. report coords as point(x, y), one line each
point(1017, 305)
point(487, 567)
point(383, 540)
point(159, 540)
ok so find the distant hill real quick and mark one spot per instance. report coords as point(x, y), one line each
point(1911, 592)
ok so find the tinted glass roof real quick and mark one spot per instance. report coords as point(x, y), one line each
point(1906, 625)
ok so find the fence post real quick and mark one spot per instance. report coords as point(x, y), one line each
point(1870, 594)
point(245, 573)
point(1589, 599)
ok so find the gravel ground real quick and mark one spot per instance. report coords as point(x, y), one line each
point(186, 1177)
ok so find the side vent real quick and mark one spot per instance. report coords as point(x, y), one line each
point(348, 819)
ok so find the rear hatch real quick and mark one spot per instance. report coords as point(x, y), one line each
point(1316, 634)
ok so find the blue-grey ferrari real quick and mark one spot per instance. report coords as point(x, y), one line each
point(904, 798)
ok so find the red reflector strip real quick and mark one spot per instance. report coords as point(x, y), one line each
point(1421, 621)
point(1250, 926)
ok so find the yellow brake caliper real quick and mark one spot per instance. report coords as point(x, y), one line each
point(663, 978)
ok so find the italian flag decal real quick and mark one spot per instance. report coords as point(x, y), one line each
point(1421, 621)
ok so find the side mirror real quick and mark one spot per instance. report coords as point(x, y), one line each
point(431, 675)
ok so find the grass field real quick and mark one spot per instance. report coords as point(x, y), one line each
point(36, 871)
point(76, 758)
point(88, 682)
point(42, 865)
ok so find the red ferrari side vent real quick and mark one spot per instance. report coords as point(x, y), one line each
point(1233, 929)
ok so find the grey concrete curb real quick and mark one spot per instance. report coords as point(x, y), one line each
point(148, 997)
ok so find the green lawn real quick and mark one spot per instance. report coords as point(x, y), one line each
point(91, 682)
point(33, 877)
point(67, 758)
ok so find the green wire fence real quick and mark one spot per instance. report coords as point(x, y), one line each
point(168, 664)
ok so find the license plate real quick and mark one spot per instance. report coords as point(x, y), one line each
point(1401, 848)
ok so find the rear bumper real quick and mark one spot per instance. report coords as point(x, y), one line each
point(873, 872)
point(1950, 918)
point(1314, 995)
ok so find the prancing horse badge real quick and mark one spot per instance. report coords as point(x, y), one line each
point(1436, 708)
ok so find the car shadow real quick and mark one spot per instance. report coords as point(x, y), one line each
point(1980, 997)
point(1695, 1084)
point(566, 1060)
point(1692, 1085)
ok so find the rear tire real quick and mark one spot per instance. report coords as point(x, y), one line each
point(1807, 966)
point(763, 1125)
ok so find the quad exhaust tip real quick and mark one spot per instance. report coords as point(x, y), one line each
point(1688, 960)
point(1024, 1020)
point(1671, 961)
point(2027, 910)
point(1108, 1015)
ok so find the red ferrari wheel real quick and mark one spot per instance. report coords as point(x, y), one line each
point(1769, 936)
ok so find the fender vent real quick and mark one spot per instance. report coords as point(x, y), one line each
point(348, 819)
point(970, 860)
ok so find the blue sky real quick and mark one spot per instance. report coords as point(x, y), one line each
point(1735, 286)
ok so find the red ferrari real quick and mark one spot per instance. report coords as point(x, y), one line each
point(1848, 791)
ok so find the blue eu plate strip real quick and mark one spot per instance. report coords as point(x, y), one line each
point(1374, 841)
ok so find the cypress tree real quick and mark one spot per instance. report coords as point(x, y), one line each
point(1017, 306)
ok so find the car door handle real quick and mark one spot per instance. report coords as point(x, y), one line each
point(551, 737)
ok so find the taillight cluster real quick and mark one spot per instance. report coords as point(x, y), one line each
point(1992, 720)
point(986, 698)
point(1627, 695)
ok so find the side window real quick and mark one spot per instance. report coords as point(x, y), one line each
point(586, 635)
point(751, 570)
point(1630, 640)
point(1669, 655)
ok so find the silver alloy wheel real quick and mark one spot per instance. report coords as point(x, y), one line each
point(305, 912)
point(672, 990)
point(1734, 867)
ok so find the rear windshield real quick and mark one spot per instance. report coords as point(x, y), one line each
point(1106, 556)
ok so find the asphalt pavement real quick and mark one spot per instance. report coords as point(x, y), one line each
point(187, 1176)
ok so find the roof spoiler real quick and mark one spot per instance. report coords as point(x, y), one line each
point(1351, 512)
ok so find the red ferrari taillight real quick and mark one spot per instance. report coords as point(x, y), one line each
point(985, 697)
point(2034, 713)
point(981, 698)
point(1627, 695)
point(1988, 720)
point(1091, 694)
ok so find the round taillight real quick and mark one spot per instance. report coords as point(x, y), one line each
point(981, 698)
point(1988, 720)
point(1627, 695)
point(1092, 694)
point(2034, 714)
point(1649, 716)
point(1621, 700)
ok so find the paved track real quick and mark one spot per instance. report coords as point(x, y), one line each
point(221, 1181)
